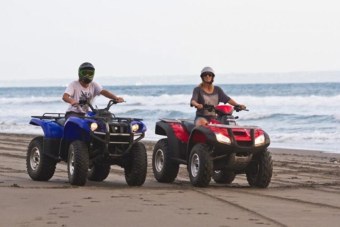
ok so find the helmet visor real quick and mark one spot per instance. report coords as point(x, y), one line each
point(86, 74)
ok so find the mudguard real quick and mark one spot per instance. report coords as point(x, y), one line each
point(77, 129)
point(174, 144)
point(51, 128)
point(201, 134)
point(266, 136)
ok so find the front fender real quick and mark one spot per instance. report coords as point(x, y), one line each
point(201, 134)
point(51, 128)
point(77, 129)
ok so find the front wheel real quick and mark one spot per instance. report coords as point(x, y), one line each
point(78, 163)
point(136, 166)
point(39, 166)
point(260, 169)
point(165, 170)
point(200, 166)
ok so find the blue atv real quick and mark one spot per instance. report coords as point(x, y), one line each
point(89, 145)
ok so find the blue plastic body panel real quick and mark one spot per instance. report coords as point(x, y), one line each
point(77, 129)
point(51, 128)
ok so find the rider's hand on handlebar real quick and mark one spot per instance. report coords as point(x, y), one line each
point(74, 103)
point(119, 99)
point(240, 107)
point(243, 107)
point(199, 106)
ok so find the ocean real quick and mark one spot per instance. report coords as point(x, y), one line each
point(295, 115)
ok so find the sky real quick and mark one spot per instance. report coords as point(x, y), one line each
point(132, 38)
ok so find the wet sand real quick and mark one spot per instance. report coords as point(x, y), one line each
point(305, 191)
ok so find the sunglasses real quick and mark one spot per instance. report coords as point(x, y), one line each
point(207, 74)
point(85, 72)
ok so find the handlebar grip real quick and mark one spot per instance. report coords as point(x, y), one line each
point(238, 108)
point(208, 107)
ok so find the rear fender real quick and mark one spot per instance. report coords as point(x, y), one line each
point(51, 147)
point(174, 144)
point(51, 128)
point(77, 129)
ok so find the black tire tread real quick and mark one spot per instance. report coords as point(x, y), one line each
point(224, 177)
point(205, 172)
point(99, 172)
point(46, 166)
point(263, 165)
point(170, 169)
point(81, 163)
point(136, 168)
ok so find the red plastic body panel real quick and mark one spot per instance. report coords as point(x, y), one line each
point(180, 132)
point(227, 109)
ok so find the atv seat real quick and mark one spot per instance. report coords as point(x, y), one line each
point(188, 125)
point(61, 121)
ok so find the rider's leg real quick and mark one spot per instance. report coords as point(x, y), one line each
point(199, 121)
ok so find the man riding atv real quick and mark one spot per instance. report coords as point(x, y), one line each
point(88, 141)
point(84, 86)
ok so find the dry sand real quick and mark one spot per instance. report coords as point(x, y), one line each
point(305, 191)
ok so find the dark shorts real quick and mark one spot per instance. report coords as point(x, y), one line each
point(208, 118)
point(73, 114)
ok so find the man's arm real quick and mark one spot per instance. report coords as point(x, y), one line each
point(110, 95)
point(68, 99)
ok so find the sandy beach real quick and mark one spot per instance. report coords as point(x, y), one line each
point(305, 191)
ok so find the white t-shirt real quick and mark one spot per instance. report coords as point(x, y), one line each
point(77, 92)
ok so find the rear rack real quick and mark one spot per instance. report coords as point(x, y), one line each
point(55, 116)
point(170, 120)
point(234, 126)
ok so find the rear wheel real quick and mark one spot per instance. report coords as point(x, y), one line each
point(223, 176)
point(200, 166)
point(164, 168)
point(39, 166)
point(98, 172)
point(136, 168)
point(78, 163)
point(260, 169)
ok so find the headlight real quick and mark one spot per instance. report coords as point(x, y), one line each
point(222, 138)
point(134, 127)
point(259, 140)
point(93, 126)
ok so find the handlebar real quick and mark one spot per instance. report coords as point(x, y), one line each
point(84, 101)
point(210, 108)
point(238, 108)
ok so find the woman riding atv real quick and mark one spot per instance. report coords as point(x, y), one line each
point(207, 93)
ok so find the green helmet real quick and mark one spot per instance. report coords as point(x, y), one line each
point(86, 72)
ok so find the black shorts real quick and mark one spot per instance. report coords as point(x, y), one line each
point(208, 118)
point(73, 114)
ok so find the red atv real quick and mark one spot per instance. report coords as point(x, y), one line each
point(219, 150)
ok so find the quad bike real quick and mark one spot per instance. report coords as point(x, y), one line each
point(89, 145)
point(221, 150)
